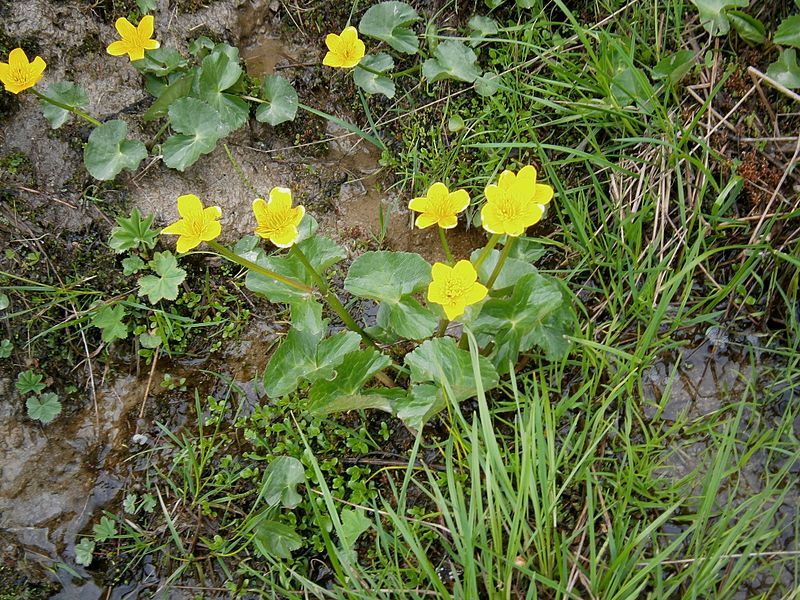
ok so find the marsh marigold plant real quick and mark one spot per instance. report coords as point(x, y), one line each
point(515, 203)
point(440, 206)
point(455, 288)
point(345, 51)
point(276, 219)
point(197, 223)
point(18, 74)
point(135, 39)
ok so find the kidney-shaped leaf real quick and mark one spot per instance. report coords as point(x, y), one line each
point(220, 71)
point(442, 362)
point(389, 22)
point(788, 33)
point(713, 14)
point(276, 539)
point(281, 479)
point(108, 151)
point(387, 276)
point(281, 101)
point(452, 59)
point(199, 127)
point(343, 391)
point(785, 70)
point(371, 81)
point(67, 93)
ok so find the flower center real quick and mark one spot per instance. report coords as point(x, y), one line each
point(454, 289)
point(507, 208)
point(19, 75)
point(275, 221)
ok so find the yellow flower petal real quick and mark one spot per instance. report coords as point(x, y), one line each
point(285, 238)
point(542, 194)
point(437, 193)
point(186, 243)
point(146, 26)
point(459, 200)
point(475, 293)
point(177, 228)
point(280, 198)
point(345, 50)
point(465, 272)
point(124, 28)
point(190, 207)
point(439, 271)
point(425, 220)
point(19, 74)
point(448, 221)
point(419, 204)
point(117, 48)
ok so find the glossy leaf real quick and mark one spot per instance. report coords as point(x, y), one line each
point(407, 318)
point(389, 22)
point(387, 276)
point(276, 539)
point(321, 251)
point(282, 101)
point(281, 479)
point(220, 71)
point(785, 70)
point(788, 32)
point(199, 127)
point(164, 286)
point(749, 28)
point(536, 313)
point(180, 88)
point(343, 391)
point(713, 14)
point(161, 62)
point(371, 82)
point(108, 151)
point(674, 66)
point(452, 59)
point(67, 93)
point(422, 402)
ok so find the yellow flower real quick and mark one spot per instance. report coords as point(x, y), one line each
point(277, 220)
point(515, 203)
point(197, 224)
point(135, 40)
point(345, 50)
point(18, 74)
point(439, 206)
point(455, 288)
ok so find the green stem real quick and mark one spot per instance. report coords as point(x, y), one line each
point(500, 262)
point(67, 107)
point(442, 328)
point(330, 297)
point(446, 246)
point(247, 264)
point(239, 172)
point(158, 134)
point(487, 249)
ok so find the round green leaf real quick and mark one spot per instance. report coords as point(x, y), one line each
point(785, 70)
point(713, 14)
point(221, 71)
point(282, 101)
point(750, 29)
point(281, 479)
point(108, 151)
point(387, 276)
point(388, 22)
point(199, 127)
point(372, 83)
point(675, 66)
point(788, 33)
point(452, 59)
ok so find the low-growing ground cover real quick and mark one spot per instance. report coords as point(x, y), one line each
point(614, 417)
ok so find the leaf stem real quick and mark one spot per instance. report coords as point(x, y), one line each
point(67, 107)
point(239, 172)
point(158, 134)
point(487, 249)
point(248, 264)
point(500, 262)
point(330, 297)
point(446, 246)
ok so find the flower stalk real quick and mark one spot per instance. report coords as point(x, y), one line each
point(248, 264)
point(500, 262)
point(490, 244)
point(446, 247)
point(66, 107)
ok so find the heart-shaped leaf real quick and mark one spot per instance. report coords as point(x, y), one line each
point(421, 403)
point(108, 151)
point(199, 127)
point(788, 32)
point(443, 363)
point(481, 27)
point(67, 93)
point(536, 313)
point(371, 81)
point(452, 59)
point(389, 22)
point(354, 523)
point(785, 70)
point(407, 318)
point(281, 101)
point(220, 71)
point(487, 84)
point(276, 539)
point(170, 276)
point(674, 66)
point(387, 276)
point(343, 392)
point(713, 14)
point(281, 479)
point(180, 88)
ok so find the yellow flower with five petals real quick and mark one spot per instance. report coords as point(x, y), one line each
point(515, 203)
point(135, 40)
point(439, 206)
point(196, 225)
point(345, 51)
point(18, 74)
point(277, 220)
point(455, 288)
